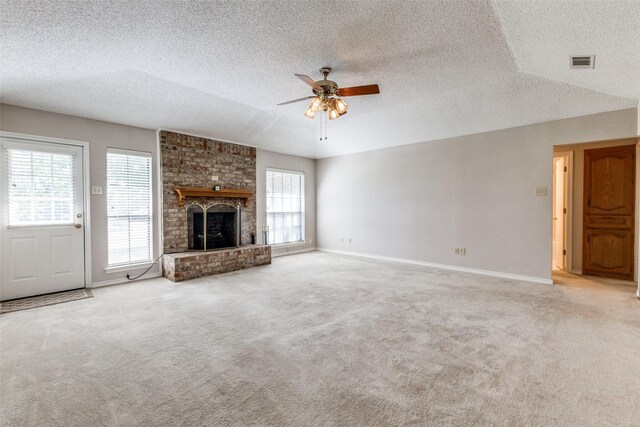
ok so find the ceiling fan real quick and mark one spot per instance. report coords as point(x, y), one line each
point(327, 95)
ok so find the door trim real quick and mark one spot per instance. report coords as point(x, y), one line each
point(86, 182)
point(568, 195)
point(636, 241)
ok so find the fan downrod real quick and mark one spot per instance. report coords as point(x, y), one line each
point(325, 71)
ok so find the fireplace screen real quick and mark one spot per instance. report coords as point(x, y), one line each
point(214, 227)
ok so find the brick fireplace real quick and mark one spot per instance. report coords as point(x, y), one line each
point(204, 231)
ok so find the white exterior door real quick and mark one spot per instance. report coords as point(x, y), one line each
point(42, 218)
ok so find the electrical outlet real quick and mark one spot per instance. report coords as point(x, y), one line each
point(96, 189)
point(215, 178)
point(342, 240)
point(457, 251)
point(463, 251)
point(310, 241)
point(541, 191)
point(349, 240)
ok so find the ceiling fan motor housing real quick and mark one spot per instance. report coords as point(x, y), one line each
point(329, 87)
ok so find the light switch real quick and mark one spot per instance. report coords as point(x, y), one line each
point(541, 191)
point(96, 189)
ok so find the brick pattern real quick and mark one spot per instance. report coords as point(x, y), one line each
point(192, 161)
point(189, 265)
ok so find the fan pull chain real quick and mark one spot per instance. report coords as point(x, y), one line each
point(326, 116)
point(323, 124)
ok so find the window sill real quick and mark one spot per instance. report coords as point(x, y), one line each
point(127, 267)
point(289, 244)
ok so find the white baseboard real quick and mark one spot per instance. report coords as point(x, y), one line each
point(576, 272)
point(446, 267)
point(122, 280)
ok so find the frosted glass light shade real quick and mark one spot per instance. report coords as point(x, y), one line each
point(310, 113)
point(341, 106)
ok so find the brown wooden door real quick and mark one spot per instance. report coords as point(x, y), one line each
point(609, 200)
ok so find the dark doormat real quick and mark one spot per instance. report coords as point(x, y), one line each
point(42, 300)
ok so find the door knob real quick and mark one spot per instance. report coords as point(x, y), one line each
point(78, 225)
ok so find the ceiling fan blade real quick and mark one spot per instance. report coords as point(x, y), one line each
point(297, 100)
point(308, 80)
point(359, 90)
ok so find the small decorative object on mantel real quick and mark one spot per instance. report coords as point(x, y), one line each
point(216, 188)
point(235, 193)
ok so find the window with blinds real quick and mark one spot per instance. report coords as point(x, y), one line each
point(129, 221)
point(40, 188)
point(285, 206)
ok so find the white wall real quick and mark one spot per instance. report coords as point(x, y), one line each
point(99, 135)
point(268, 159)
point(418, 202)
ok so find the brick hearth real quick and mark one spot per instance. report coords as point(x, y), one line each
point(189, 265)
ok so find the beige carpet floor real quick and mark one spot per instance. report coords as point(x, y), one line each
point(326, 340)
point(569, 279)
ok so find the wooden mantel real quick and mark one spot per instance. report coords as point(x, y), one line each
point(236, 193)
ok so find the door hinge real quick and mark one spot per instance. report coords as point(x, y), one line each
point(588, 238)
point(564, 252)
point(565, 168)
point(564, 210)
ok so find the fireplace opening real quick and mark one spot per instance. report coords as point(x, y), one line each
point(214, 227)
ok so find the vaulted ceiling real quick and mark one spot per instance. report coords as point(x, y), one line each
point(218, 68)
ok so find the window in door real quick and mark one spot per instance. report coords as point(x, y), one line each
point(40, 188)
point(285, 206)
point(129, 212)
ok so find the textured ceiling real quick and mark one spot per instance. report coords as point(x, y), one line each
point(543, 36)
point(217, 68)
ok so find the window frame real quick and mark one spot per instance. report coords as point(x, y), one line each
point(303, 216)
point(115, 267)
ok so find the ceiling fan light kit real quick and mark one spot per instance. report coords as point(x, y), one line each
point(335, 107)
point(328, 96)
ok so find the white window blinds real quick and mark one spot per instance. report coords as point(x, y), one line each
point(285, 206)
point(40, 188)
point(129, 207)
